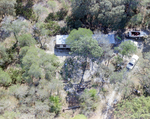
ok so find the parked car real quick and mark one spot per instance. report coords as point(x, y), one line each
point(132, 62)
point(137, 34)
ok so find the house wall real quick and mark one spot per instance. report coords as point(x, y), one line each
point(62, 46)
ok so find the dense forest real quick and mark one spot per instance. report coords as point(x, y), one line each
point(87, 81)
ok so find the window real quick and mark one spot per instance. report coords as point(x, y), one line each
point(58, 45)
point(64, 45)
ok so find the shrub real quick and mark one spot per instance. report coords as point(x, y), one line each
point(16, 75)
point(60, 15)
point(55, 104)
point(3, 55)
point(51, 16)
point(26, 40)
point(64, 30)
point(5, 79)
point(88, 101)
point(25, 11)
point(53, 27)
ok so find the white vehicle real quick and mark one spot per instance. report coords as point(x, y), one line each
point(137, 34)
point(132, 62)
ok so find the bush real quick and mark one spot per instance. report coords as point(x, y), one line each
point(64, 30)
point(53, 27)
point(51, 16)
point(138, 107)
point(5, 79)
point(25, 11)
point(88, 100)
point(4, 57)
point(26, 40)
point(60, 15)
point(16, 75)
point(55, 104)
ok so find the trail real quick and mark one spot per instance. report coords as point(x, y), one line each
point(110, 98)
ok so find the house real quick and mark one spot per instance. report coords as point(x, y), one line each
point(101, 38)
point(61, 41)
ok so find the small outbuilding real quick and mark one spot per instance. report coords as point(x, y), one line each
point(61, 41)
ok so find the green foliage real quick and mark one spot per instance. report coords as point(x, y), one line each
point(51, 4)
point(116, 77)
point(37, 64)
point(23, 51)
point(25, 11)
point(77, 34)
point(26, 40)
point(117, 62)
point(53, 28)
point(88, 100)
point(127, 48)
point(7, 7)
point(79, 116)
point(136, 20)
point(135, 108)
point(107, 13)
point(55, 104)
point(60, 15)
point(39, 10)
point(15, 27)
point(5, 79)
point(10, 115)
point(4, 57)
point(16, 75)
point(86, 47)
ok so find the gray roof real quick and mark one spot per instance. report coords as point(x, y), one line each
point(61, 39)
point(101, 38)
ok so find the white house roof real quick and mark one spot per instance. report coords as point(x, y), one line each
point(101, 38)
point(61, 39)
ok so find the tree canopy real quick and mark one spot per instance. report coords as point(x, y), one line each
point(135, 108)
point(127, 48)
point(77, 34)
point(37, 64)
point(86, 47)
point(4, 78)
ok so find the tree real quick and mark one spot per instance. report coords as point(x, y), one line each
point(26, 40)
point(131, 109)
point(108, 13)
point(4, 78)
point(55, 104)
point(77, 34)
point(4, 57)
point(126, 48)
point(41, 33)
point(86, 47)
point(14, 26)
point(83, 45)
point(7, 7)
point(39, 10)
point(52, 5)
point(38, 65)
